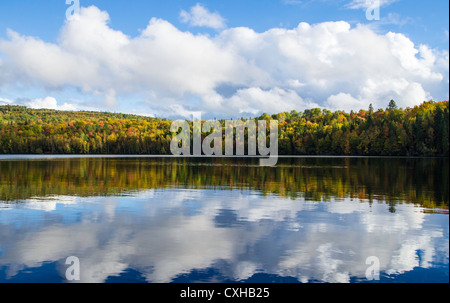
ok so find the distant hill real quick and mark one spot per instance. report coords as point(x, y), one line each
point(419, 131)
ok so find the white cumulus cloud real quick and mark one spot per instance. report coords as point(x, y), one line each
point(235, 71)
point(49, 103)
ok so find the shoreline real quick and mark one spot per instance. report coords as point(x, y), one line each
point(75, 156)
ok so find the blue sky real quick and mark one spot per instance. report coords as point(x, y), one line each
point(223, 58)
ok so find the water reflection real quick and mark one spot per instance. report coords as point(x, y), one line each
point(179, 230)
point(422, 181)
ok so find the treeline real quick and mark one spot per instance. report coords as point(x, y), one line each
point(419, 131)
point(44, 131)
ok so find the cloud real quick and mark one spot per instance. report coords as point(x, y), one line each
point(49, 103)
point(200, 16)
point(395, 19)
point(4, 101)
point(251, 100)
point(443, 60)
point(365, 4)
point(344, 102)
point(236, 71)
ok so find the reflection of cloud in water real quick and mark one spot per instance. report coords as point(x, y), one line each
point(164, 234)
point(49, 203)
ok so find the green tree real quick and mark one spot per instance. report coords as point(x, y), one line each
point(392, 105)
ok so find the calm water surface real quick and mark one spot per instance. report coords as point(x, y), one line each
point(150, 219)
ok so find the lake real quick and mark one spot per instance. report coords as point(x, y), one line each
point(170, 219)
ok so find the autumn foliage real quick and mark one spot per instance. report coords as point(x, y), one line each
point(419, 131)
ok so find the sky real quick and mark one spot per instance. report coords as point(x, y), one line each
point(225, 59)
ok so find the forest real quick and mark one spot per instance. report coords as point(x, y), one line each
point(419, 131)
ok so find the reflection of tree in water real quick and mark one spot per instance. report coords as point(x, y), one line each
point(394, 180)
